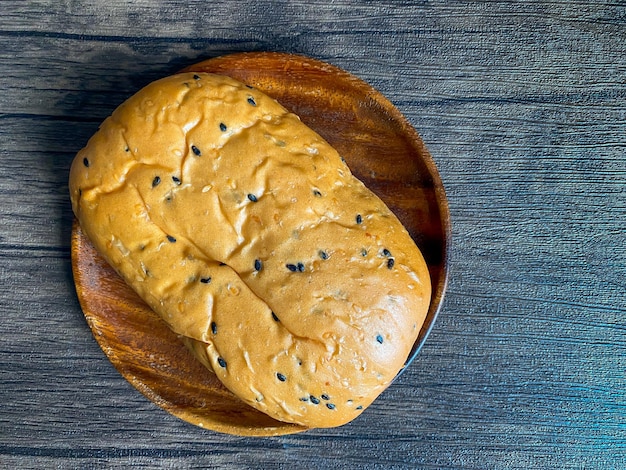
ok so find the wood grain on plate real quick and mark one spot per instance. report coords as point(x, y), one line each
point(381, 148)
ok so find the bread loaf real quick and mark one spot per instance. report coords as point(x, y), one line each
point(248, 234)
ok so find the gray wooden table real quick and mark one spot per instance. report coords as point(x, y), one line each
point(523, 106)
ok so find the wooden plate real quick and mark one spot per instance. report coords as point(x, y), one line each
point(381, 148)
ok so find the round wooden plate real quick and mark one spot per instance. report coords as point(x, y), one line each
point(381, 148)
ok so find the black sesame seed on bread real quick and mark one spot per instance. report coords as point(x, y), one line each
point(247, 233)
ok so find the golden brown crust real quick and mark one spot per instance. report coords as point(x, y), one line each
point(246, 232)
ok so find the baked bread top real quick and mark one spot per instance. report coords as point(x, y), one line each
point(247, 233)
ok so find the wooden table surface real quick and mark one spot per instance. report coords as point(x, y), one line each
point(523, 107)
